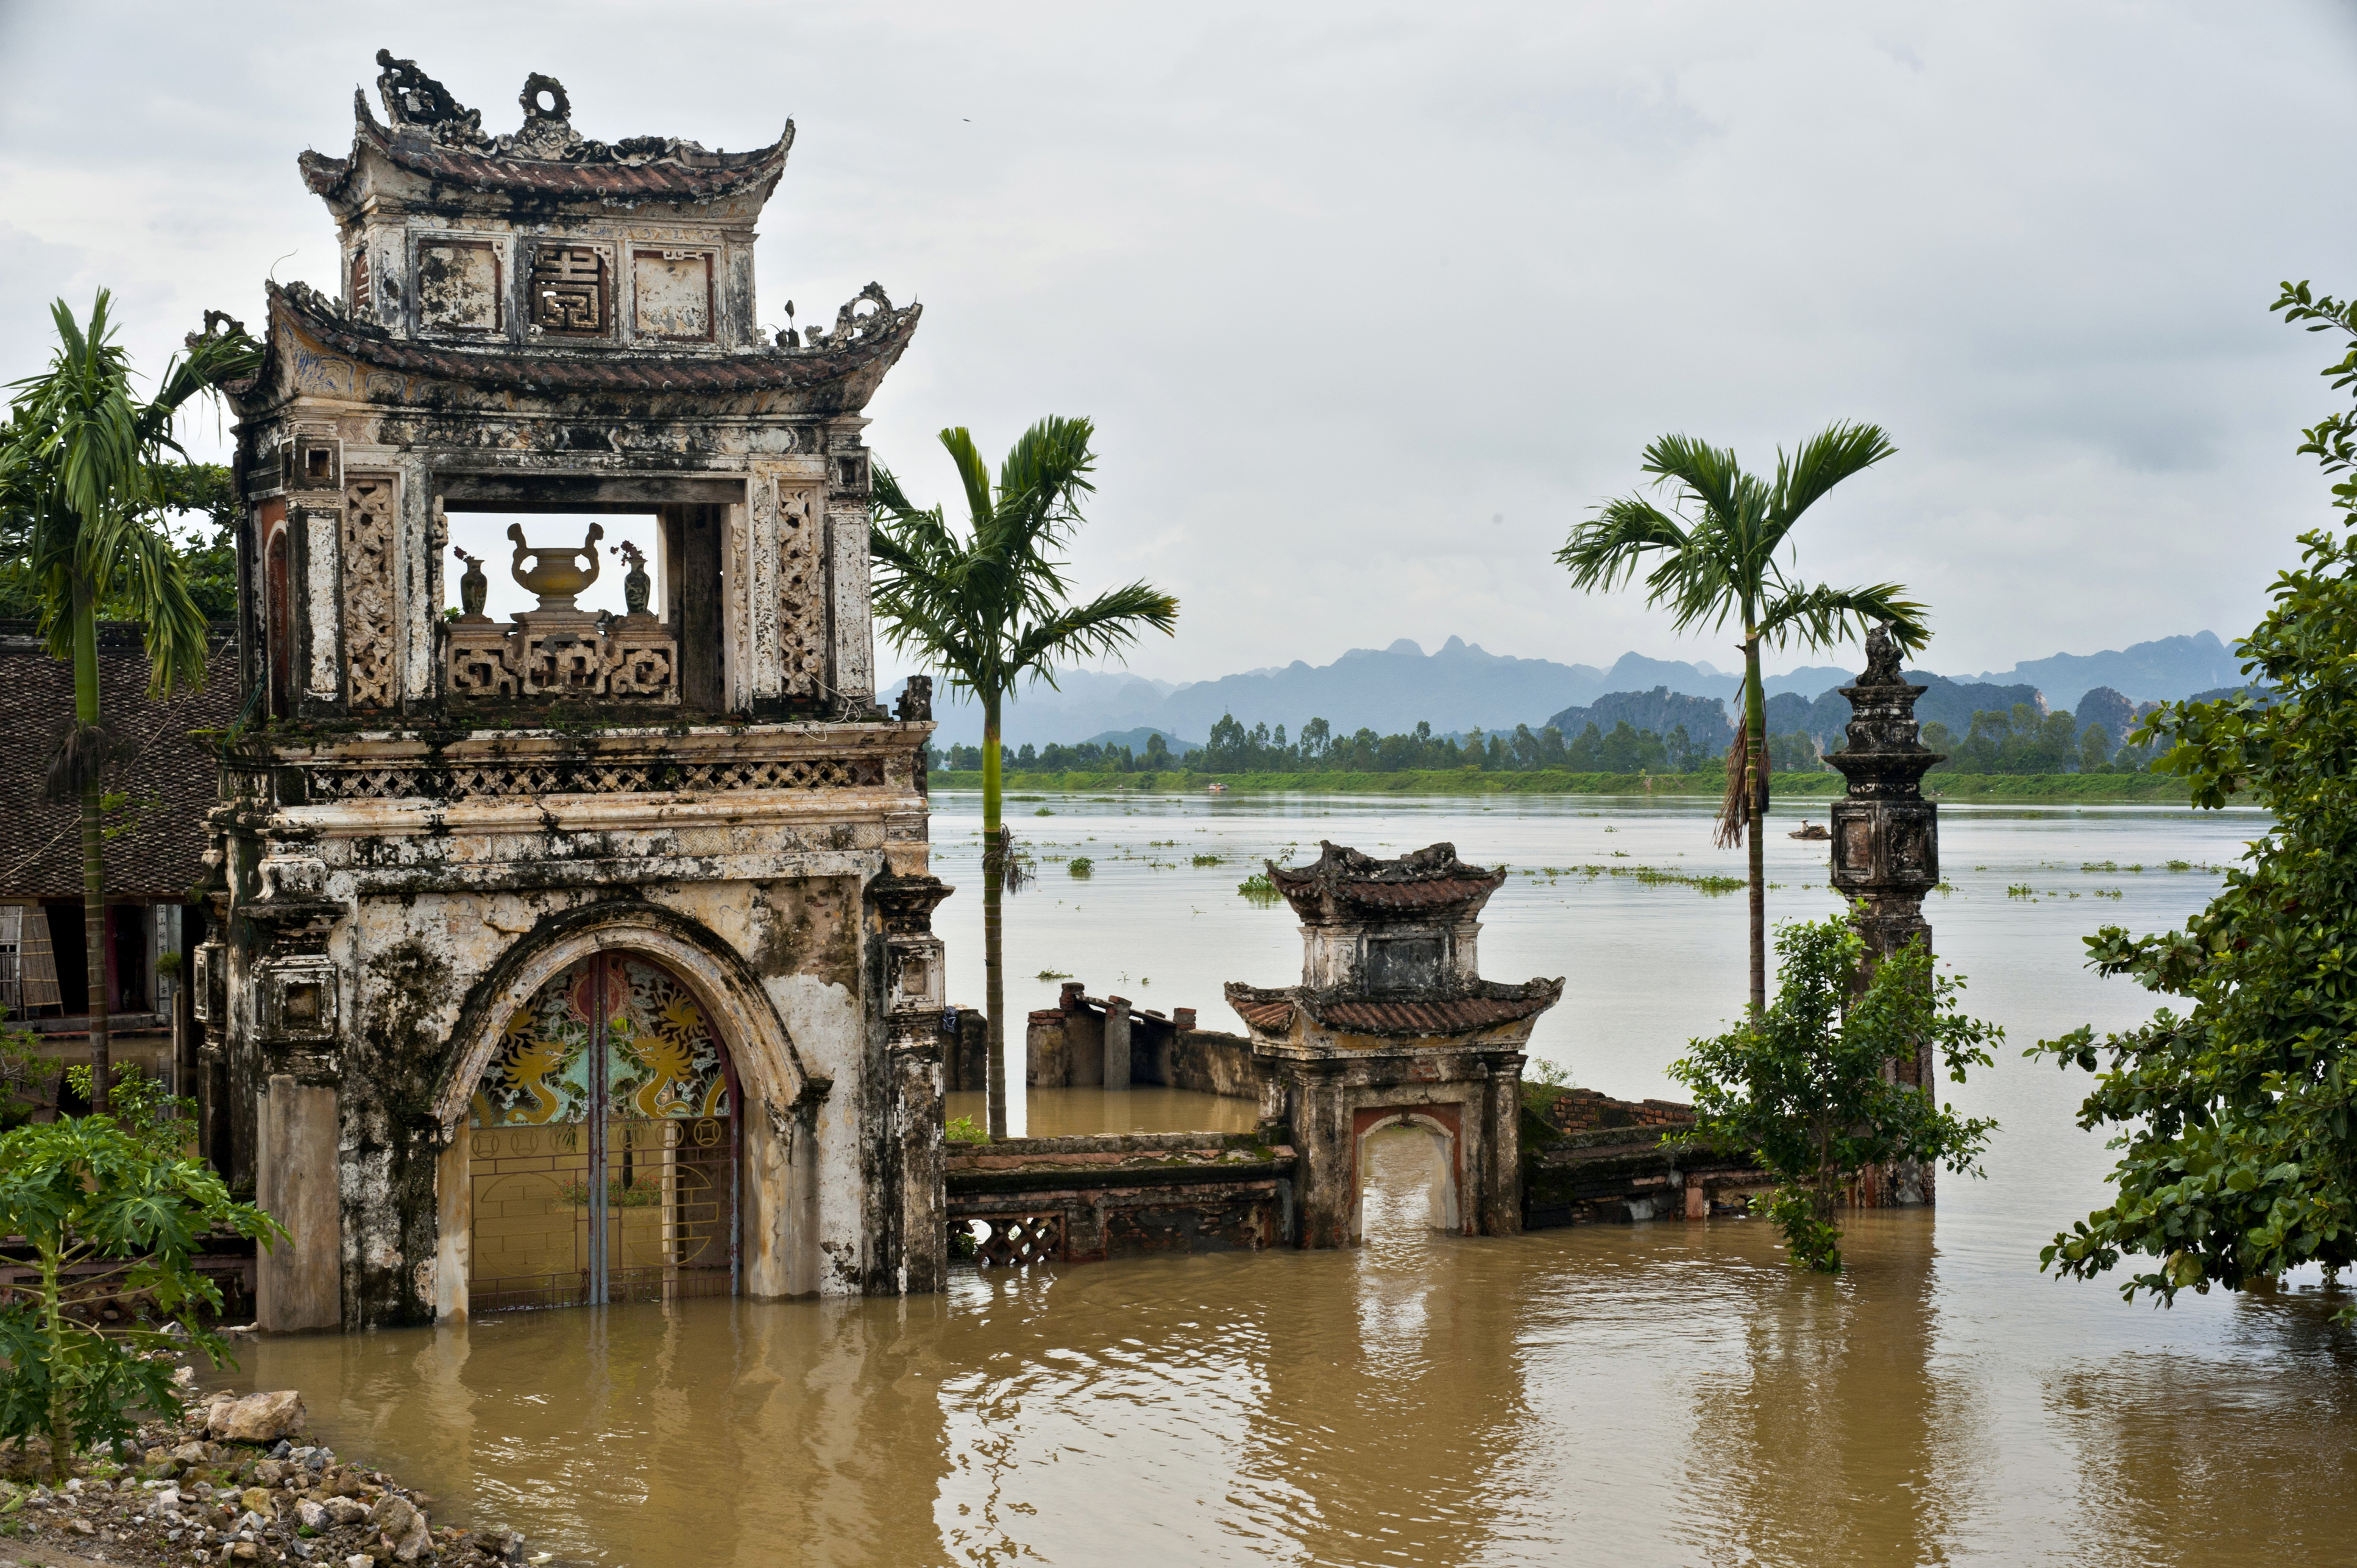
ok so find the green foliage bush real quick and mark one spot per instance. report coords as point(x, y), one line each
point(113, 1223)
point(1804, 1089)
point(2235, 1120)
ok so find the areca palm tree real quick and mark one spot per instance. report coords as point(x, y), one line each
point(1712, 558)
point(81, 487)
point(989, 608)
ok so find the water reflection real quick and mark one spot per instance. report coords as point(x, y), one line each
point(1820, 1442)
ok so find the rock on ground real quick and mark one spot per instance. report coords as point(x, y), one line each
point(257, 1418)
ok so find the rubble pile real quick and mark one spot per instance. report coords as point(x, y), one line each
point(233, 1483)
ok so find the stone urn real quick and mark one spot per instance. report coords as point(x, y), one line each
point(637, 587)
point(474, 589)
point(556, 572)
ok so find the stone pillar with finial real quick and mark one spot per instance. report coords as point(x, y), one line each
point(1886, 848)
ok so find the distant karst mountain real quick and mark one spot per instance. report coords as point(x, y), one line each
point(1706, 720)
point(1461, 685)
point(1382, 689)
point(2166, 670)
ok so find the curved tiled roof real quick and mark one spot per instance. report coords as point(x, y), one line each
point(591, 370)
point(1446, 1016)
point(1271, 1012)
point(626, 173)
point(1272, 1017)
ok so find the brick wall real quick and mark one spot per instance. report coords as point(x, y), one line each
point(1587, 1111)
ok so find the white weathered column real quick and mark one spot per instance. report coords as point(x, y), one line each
point(417, 581)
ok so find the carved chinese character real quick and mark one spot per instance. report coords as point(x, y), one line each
point(568, 289)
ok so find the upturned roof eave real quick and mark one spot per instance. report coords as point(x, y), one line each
point(829, 381)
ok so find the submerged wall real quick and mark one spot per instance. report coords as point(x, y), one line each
point(1064, 1047)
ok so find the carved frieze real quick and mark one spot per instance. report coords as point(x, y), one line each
point(635, 658)
point(801, 602)
point(369, 591)
point(502, 781)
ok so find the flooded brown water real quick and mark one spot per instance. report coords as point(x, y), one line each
point(1660, 1393)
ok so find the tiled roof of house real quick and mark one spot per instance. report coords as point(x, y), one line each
point(169, 775)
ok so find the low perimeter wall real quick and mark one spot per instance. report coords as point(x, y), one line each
point(1064, 1048)
point(1087, 1200)
point(1590, 1159)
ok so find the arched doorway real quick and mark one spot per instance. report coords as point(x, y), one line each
point(1435, 1166)
point(612, 1071)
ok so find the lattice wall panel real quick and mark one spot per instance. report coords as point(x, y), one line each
point(507, 781)
point(1020, 1241)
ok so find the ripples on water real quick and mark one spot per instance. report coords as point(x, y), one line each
point(1662, 1393)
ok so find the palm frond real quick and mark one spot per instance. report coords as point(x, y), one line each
point(1838, 452)
point(172, 627)
point(1820, 617)
point(1710, 474)
point(81, 477)
point(1609, 549)
point(972, 473)
point(1105, 625)
point(986, 606)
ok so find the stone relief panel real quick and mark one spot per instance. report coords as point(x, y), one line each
point(458, 285)
point(671, 293)
point(854, 644)
point(321, 536)
point(757, 566)
point(802, 600)
point(367, 553)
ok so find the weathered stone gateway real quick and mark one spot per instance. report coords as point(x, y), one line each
point(580, 958)
point(1393, 1026)
point(588, 958)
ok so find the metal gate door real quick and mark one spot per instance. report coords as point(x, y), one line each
point(610, 1070)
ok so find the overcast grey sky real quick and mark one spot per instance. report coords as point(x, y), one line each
point(1347, 285)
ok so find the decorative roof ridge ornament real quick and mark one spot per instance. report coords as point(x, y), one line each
point(1419, 885)
point(852, 324)
point(1341, 862)
point(1882, 655)
point(1884, 756)
point(412, 98)
point(417, 106)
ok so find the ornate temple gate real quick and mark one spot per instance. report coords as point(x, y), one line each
point(610, 1071)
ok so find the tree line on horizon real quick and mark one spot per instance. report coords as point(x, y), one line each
point(2019, 742)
